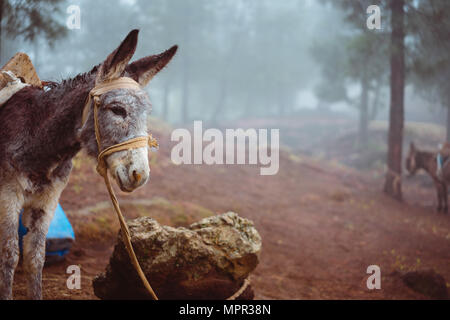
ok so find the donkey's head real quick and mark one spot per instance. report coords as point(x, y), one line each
point(411, 163)
point(122, 113)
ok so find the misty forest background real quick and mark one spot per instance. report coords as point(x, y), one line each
point(241, 60)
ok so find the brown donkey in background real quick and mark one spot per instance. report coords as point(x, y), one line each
point(427, 161)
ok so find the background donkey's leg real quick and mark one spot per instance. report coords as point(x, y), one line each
point(439, 195)
point(10, 205)
point(445, 197)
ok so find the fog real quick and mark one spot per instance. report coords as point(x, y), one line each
point(237, 59)
point(322, 122)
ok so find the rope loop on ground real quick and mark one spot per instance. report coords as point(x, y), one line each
point(241, 290)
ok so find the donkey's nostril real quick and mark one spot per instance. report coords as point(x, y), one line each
point(137, 176)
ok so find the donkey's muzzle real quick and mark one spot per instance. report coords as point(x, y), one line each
point(130, 168)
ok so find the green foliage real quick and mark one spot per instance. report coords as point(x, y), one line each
point(352, 55)
point(30, 19)
point(333, 63)
point(427, 43)
point(430, 61)
point(236, 57)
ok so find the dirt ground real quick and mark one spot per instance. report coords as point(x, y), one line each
point(322, 225)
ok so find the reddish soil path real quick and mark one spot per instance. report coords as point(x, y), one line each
point(322, 226)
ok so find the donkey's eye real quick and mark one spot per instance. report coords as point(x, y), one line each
point(119, 111)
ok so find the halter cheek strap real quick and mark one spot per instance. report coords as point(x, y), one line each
point(102, 88)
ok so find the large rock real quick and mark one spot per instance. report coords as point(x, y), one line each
point(209, 260)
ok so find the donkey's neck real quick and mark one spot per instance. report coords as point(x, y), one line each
point(65, 102)
point(53, 124)
point(426, 160)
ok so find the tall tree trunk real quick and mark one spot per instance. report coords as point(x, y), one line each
point(1, 29)
point(393, 183)
point(220, 106)
point(248, 105)
point(375, 101)
point(165, 112)
point(36, 61)
point(186, 63)
point(185, 88)
point(165, 104)
point(281, 101)
point(364, 113)
point(228, 63)
point(448, 123)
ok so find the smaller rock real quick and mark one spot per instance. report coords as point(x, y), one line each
point(428, 283)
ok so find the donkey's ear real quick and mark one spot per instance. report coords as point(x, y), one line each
point(114, 66)
point(143, 70)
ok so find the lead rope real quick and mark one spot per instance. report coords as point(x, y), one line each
point(102, 169)
point(241, 290)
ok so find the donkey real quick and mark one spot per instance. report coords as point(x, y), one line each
point(42, 130)
point(427, 161)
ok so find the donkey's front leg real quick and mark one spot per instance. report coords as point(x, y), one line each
point(445, 197)
point(37, 219)
point(10, 205)
point(438, 187)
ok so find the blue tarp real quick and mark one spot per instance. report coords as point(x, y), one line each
point(60, 236)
